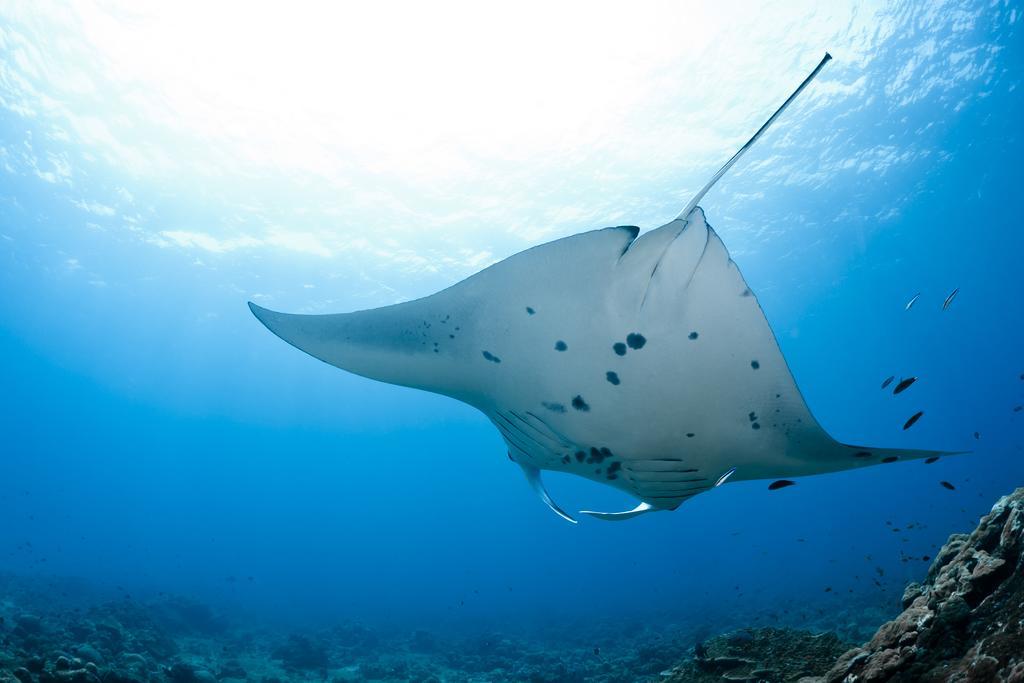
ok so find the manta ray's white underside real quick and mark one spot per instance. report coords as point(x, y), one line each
point(644, 363)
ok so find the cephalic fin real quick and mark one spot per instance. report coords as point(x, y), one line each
point(685, 213)
point(619, 516)
point(533, 476)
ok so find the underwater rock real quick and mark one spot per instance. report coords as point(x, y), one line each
point(180, 672)
point(28, 625)
point(87, 653)
point(232, 669)
point(759, 654)
point(965, 622)
point(301, 653)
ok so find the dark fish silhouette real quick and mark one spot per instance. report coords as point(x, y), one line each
point(948, 485)
point(913, 418)
point(780, 484)
point(888, 381)
point(904, 385)
point(930, 460)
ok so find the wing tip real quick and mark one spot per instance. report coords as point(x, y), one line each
point(264, 315)
point(257, 310)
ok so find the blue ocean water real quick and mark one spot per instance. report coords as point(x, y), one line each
point(158, 439)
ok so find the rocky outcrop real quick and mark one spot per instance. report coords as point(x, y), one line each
point(965, 622)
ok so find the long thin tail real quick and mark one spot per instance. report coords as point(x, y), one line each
point(752, 140)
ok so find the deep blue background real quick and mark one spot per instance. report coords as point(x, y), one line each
point(156, 437)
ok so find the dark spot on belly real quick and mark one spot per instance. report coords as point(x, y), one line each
point(746, 292)
point(752, 415)
point(890, 458)
point(614, 467)
point(862, 454)
point(580, 455)
point(693, 335)
point(780, 484)
point(636, 340)
point(561, 345)
point(612, 377)
point(754, 364)
point(579, 404)
point(690, 435)
point(491, 357)
point(619, 348)
point(530, 311)
point(755, 426)
point(553, 407)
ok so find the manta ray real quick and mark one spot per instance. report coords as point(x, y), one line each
point(641, 362)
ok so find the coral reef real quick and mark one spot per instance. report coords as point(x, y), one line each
point(46, 637)
point(764, 654)
point(962, 623)
point(965, 622)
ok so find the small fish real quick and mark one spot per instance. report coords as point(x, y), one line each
point(1017, 409)
point(912, 301)
point(913, 418)
point(977, 435)
point(728, 473)
point(948, 485)
point(904, 385)
point(932, 459)
point(780, 484)
point(949, 299)
point(888, 381)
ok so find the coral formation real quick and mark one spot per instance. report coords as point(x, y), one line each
point(764, 654)
point(965, 622)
